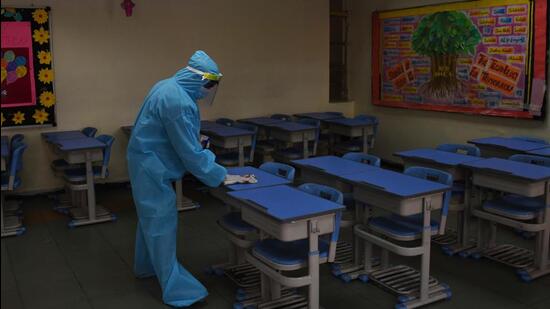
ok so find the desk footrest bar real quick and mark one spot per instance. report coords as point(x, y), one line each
point(400, 279)
point(252, 298)
point(344, 253)
point(510, 255)
point(79, 213)
point(243, 275)
point(436, 293)
point(292, 301)
point(450, 237)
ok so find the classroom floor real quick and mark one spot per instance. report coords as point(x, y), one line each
point(52, 266)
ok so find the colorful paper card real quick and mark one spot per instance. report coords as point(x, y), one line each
point(27, 90)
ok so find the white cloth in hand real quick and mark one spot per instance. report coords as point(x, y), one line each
point(233, 179)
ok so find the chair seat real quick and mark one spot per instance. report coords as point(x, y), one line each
point(234, 222)
point(350, 146)
point(504, 208)
point(79, 174)
point(288, 253)
point(6, 180)
point(528, 202)
point(401, 228)
point(265, 146)
point(231, 158)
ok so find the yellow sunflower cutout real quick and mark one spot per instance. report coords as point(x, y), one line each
point(40, 16)
point(41, 36)
point(2, 119)
point(45, 76)
point(44, 57)
point(47, 98)
point(18, 118)
point(40, 116)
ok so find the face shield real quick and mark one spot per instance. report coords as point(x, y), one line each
point(209, 87)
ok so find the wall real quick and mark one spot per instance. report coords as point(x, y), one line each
point(402, 129)
point(273, 54)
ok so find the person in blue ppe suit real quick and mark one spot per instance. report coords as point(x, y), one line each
point(165, 144)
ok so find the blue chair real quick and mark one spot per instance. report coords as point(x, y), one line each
point(78, 174)
point(470, 150)
point(337, 114)
point(10, 181)
point(296, 151)
point(531, 139)
point(279, 169)
point(89, 131)
point(362, 158)
point(231, 158)
point(274, 257)
point(516, 206)
point(410, 228)
point(283, 117)
point(225, 121)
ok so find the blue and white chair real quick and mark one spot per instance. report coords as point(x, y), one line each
point(60, 165)
point(231, 158)
point(356, 144)
point(518, 207)
point(276, 258)
point(13, 206)
point(296, 151)
point(12, 225)
point(75, 178)
point(241, 234)
point(458, 193)
point(390, 232)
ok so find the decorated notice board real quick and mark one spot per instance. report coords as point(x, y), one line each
point(27, 89)
point(478, 57)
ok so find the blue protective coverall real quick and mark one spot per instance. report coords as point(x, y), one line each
point(163, 146)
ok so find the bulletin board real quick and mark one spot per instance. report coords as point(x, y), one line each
point(27, 88)
point(477, 57)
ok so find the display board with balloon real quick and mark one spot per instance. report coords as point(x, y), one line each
point(27, 76)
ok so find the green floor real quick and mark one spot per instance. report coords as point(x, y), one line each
point(52, 266)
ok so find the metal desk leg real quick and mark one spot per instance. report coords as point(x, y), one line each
point(541, 266)
point(179, 195)
point(241, 151)
point(463, 238)
point(305, 145)
point(365, 138)
point(91, 187)
point(426, 241)
point(313, 265)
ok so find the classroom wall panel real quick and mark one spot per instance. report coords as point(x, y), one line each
point(406, 129)
point(274, 56)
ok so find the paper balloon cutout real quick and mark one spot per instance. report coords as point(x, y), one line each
point(13, 67)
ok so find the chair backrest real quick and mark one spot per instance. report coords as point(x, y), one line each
point(470, 150)
point(89, 131)
point(531, 159)
point(16, 139)
point(363, 158)
point(281, 117)
point(107, 140)
point(531, 139)
point(279, 169)
point(435, 175)
point(16, 163)
point(335, 196)
point(252, 128)
point(316, 123)
point(225, 121)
